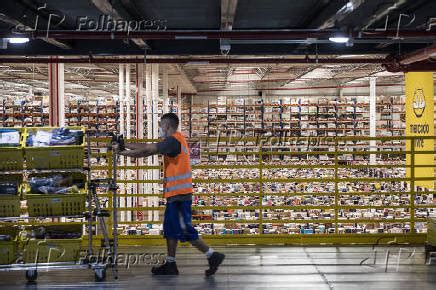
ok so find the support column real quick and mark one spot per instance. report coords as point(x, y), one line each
point(56, 98)
point(166, 101)
point(372, 118)
point(148, 98)
point(121, 96)
point(122, 202)
point(139, 132)
point(128, 173)
point(179, 106)
point(155, 160)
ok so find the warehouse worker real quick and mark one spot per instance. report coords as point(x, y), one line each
point(178, 192)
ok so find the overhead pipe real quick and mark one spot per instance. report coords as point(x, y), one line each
point(391, 64)
point(421, 66)
point(419, 55)
point(218, 34)
point(303, 88)
point(205, 61)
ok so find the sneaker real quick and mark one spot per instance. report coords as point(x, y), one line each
point(214, 261)
point(169, 268)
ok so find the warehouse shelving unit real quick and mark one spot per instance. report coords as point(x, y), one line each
point(23, 114)
point(96, 116)
point(338, 200)
point(292, 116)
point(255, 199)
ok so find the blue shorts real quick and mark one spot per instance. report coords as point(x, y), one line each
point(178, 222)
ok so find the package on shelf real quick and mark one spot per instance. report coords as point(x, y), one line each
point(55, 232)
point(9, 137)
point(55, 183)
point(54, 137)
point(9, 187)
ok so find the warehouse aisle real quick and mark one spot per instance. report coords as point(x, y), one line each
point(260, 268)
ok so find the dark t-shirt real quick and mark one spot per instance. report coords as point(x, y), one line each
point(171, 147)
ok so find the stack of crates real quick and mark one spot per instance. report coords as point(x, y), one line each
point(11, 160)
point(59, 160)
point(65, 160)
point(55, 158)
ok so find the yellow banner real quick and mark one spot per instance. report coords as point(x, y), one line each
point(420, 122)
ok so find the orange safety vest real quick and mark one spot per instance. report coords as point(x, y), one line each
point(177, 170)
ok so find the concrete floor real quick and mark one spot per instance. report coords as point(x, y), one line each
point(258, 268)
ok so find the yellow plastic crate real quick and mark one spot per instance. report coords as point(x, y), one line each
point(57, 204)
point(8, 252)
point(8, 249)
point(431, 231)
point(54, 157)
point(10, 204)
point(51, 250)
point(12, 158)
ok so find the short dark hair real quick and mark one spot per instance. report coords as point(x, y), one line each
point(172, 118)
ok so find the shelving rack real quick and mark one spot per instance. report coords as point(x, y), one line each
point(350, 202)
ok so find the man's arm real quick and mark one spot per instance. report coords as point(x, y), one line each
point(168, 147)
point(140, 150)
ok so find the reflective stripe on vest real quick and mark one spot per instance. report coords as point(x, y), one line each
point(184, 148)
point(178, 186)
point(177, 177)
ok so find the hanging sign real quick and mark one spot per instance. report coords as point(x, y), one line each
point(420, 122)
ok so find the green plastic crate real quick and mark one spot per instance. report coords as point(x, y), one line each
point(12, 158)
point(51, 250)
point(54, 157)
point(66, 204)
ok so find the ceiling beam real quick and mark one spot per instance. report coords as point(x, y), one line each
point(9, 20)
point(228, 12)
point(343, 12)
point(383, 11)
point(106, 8)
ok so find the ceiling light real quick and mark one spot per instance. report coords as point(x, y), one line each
point(18, 40)
point(339, 37)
